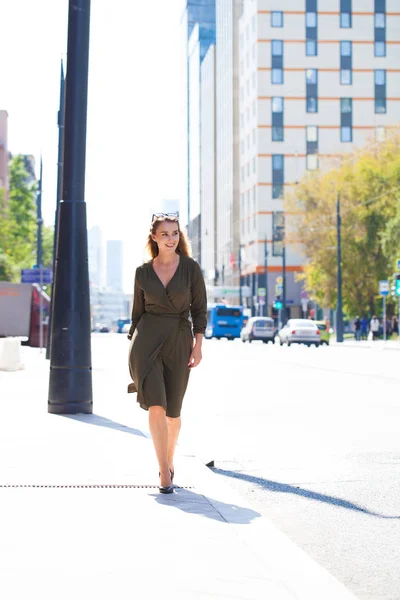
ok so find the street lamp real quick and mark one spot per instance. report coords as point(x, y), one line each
point(70, 385)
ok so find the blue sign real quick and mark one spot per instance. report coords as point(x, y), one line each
point(398, 264)
point(34, 276)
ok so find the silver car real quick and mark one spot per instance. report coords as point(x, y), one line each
point(258, 328)
point(300, 331)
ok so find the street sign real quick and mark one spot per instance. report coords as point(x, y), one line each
point(278, 289)
point(304, 295)
point(34, 276)
point(261, 291)
point(261, 300)
point(384, 288)
point(278, 305)
point(279, 280)
point(398, 264)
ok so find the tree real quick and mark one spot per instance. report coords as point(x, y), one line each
point(368, 184)
point(18, 237)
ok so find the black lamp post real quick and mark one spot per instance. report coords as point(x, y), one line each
point(70, 386)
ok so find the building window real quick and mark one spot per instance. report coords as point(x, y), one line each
point(380, 48)
point(242, 173)
point(346, 134)
point(380, 134)
point(277, 233)
point(254, 165)
point(277, 48)
point(248, 169)
point(311, 48)
point(277, 134)
point(345, 13)
point(345, 20)
point(277, 76)
point(312, 162)
point(380, 21)
point(346, 105)
point(312, 133)
point(253, 24)
point(380, 77)
point(345, 77)
point(345, 48)
point(277, 104)
point(277, 176)
point(312, 105)
point(242, 147)
point(276, 18)
point(311, 19)
point(380, 105)
point(311, 76)
point(253, 51)
point(254, 136)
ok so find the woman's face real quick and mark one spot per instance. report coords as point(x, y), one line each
point(167, 236)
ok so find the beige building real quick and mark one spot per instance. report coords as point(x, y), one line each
point(317, 78)
point(4, 176)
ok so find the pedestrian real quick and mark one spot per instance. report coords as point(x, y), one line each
point(165, 344)
point(374, 327)
point(357, 328)
point(395, 327)
point(364, 328)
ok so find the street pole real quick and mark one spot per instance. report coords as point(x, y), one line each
point(284, 311)
point(384, 318)
point(240, 275)
point(39, 253)
point(70, 385)
point(61, 118)
point(339, 309)
point(266, 275)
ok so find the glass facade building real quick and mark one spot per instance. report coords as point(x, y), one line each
point(198, 33)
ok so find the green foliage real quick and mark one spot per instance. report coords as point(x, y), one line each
point(368, 183)
point(18, 231)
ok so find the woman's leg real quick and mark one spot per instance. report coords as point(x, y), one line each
point(159, 433)
point(174, 427)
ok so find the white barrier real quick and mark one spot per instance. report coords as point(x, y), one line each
point(10, 354)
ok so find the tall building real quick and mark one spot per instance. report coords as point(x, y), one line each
point(96, 257)
point(198, 28)
point(115, 265)
point(208, 178)
point(228, 13)
point(315, 81)
point(4, 174)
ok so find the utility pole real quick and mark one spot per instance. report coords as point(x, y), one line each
point(339, 309)
point(284, 311)
point(266, 275)
point(39, 252)
point(70, 385)
point(240, 275)
point(60, 122)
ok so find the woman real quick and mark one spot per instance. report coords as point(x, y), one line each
point(165, 344)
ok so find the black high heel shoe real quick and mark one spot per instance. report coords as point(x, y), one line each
point(166, 489)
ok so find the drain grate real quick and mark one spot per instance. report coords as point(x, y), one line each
point(89, 486)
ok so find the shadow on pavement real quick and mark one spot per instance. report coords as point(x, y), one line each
point(104, 422)
point(284, 488)
point(198, 504)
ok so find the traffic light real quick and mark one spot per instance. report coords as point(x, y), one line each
point(277, 304)
point(396, 285)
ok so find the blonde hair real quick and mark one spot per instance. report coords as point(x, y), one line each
point(183, 248)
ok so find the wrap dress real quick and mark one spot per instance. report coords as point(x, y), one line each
point(161, 333)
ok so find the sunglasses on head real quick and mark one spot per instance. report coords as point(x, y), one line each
point(173, 215)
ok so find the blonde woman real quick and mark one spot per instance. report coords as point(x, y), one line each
point(165, 344)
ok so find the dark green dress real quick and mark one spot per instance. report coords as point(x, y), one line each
point(162, 333)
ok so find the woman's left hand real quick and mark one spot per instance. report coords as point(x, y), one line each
point(195, 357)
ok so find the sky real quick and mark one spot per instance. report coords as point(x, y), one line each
point(134, 156)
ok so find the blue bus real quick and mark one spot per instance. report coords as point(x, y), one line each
point(224, 321)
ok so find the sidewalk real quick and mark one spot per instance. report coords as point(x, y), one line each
point(377, 344)
point(81, 516)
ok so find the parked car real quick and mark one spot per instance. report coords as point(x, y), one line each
point(325, 333)
point(300, 331)
point(258, 328)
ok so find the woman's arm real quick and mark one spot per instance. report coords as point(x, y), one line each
point(198, 310)
point(138, 306)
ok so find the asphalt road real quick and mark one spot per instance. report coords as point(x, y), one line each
point(311, 437)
